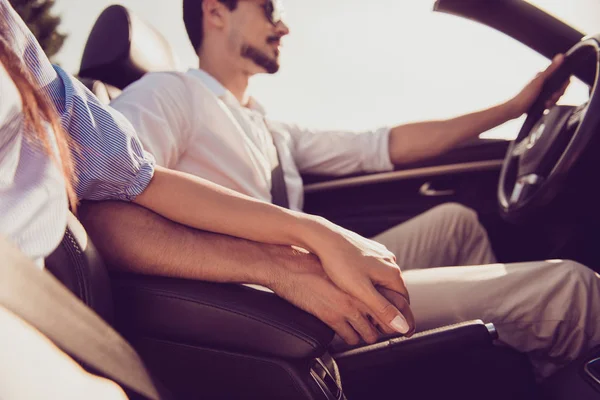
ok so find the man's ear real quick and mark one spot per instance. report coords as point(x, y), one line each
point(215, 13)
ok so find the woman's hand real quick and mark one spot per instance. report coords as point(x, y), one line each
point(363, 269)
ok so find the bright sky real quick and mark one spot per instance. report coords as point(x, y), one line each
point(354, 64)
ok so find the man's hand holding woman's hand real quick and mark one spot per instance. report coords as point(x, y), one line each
point(353, 285)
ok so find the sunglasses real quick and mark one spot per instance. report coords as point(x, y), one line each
point(273, 10)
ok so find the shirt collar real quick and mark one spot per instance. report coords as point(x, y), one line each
point(221, 91)
point(210, 82)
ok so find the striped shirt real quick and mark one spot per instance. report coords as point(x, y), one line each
point(109, 159)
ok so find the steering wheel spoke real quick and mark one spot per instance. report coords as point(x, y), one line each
point(519, 149)
point(550, 140)
point(524, 187)
point(576, 117)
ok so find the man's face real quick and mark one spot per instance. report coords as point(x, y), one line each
point(255, 35)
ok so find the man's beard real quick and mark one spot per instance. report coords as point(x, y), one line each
point(270, 64)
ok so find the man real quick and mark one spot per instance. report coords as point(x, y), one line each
point(202, 122)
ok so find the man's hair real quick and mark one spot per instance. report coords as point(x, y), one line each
point(192, 17)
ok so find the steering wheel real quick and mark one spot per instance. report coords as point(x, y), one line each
point(550, 141)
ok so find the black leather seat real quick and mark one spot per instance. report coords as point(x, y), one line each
point(206, 340)
point(120, 49)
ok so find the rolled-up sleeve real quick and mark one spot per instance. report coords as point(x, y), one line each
point(340, 152)
point(109, 159)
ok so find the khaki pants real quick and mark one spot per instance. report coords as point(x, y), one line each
point(548, 310)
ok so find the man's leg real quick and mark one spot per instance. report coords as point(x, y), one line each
point(548, 310)
point(449, 234)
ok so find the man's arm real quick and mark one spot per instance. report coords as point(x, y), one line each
point(417, 141)
point(421, 140)
point(341, 153)
point(146, 243)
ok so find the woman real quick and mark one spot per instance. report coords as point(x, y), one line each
point(36, 171)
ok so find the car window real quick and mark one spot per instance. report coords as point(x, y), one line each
point(352, 64)
point(355, 66)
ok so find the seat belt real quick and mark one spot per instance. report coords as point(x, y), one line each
point(39, 299)
point(279, 194)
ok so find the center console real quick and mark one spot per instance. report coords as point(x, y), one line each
point(579, 380)
point(217, 341)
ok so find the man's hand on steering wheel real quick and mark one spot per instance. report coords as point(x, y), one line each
point(521, 103)
point(553, 138)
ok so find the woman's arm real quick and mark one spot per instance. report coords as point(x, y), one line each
point(355, 264)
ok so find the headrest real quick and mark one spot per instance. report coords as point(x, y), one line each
point(121, 48)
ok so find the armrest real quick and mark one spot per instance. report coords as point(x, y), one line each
point(454, 362)
point(435, 341)
point(222, 316)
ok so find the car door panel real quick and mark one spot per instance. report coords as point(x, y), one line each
point(369, 204)
point(378, 205)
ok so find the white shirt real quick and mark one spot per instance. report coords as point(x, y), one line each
point(33, 200)
point(191, 123)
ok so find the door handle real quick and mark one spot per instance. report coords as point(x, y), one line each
point(428, 191)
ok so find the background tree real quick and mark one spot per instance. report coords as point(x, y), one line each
point(38, 17)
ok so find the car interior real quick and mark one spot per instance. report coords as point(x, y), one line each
point(223, 341)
